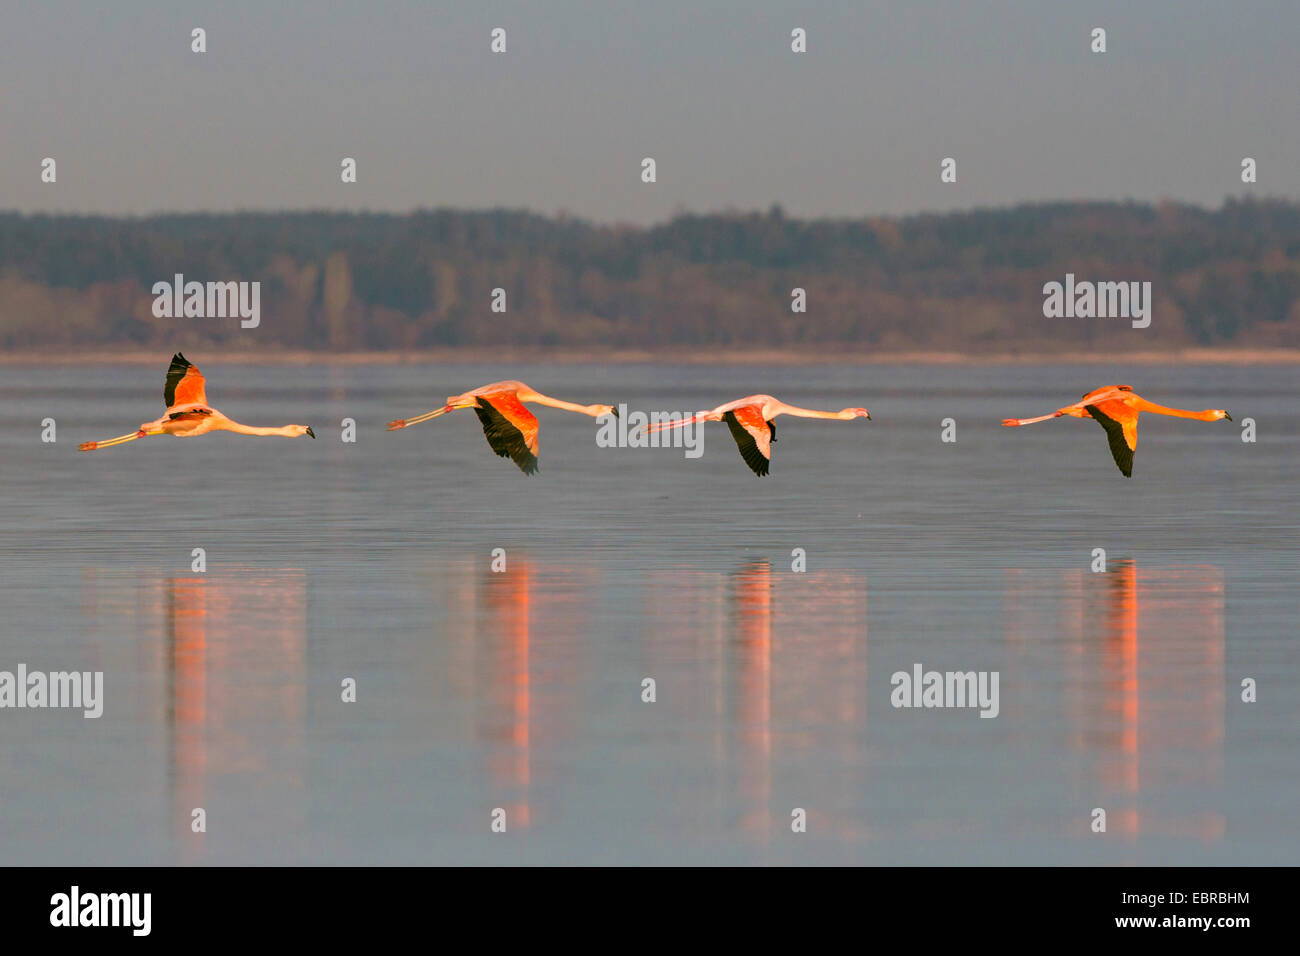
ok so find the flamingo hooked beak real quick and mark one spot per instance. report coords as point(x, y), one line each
point(1227, 416)
point(310, 432)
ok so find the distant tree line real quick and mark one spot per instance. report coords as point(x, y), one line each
point(970, 281)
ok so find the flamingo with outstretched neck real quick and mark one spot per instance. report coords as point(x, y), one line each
point(1116, 409)
point(753, 426)
point(189, 414)
point(511, 429)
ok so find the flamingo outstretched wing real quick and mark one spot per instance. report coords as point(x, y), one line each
point(511, 429)
point(753, 435)
point(196, 414)
point(185, 384)
point(1120, 423)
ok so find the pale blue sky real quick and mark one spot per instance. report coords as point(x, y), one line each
point(856, 126)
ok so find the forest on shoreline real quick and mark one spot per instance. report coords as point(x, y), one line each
point(968, 282)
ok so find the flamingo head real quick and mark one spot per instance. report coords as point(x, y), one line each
point(600, 411)
point(296, 431)
point(848, 413)
point(1220, 414)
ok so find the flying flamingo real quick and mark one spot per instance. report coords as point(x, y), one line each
point(1116, 408)
point(511, 429)
point(189, 414)
point(752, 426)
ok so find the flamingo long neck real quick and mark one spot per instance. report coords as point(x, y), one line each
point(541, 399)
point(784, 409)
point(1205, 416)
point(282, 431)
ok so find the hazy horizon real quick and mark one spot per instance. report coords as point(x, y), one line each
point(668, 217)
point(140, 125)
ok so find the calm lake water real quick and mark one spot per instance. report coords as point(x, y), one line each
point(522, 690)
